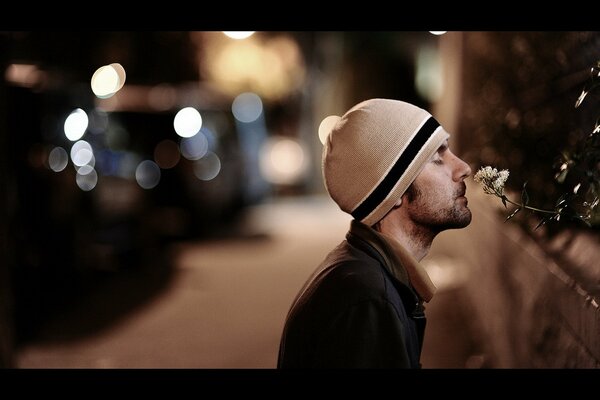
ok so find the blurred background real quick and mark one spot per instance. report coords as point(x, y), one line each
point(162, 197)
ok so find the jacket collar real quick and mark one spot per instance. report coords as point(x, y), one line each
point(396, 259)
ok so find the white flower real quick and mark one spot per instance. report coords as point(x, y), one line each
point(492, 180)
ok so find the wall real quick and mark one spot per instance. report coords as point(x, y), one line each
point(535, 294)
point(532, 309)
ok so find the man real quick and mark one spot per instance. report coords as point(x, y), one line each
point(388, 164)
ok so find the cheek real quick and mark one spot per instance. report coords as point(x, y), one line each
point(431, 198)
point(431, 183)
point(433, 192)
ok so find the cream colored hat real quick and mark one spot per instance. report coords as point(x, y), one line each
point(373, 154)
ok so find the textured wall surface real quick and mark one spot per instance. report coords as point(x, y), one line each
point(531, 309)
point(535, 293)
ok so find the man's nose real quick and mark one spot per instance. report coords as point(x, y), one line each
point(462, 169)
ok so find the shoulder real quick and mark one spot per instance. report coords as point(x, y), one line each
point(353, 274)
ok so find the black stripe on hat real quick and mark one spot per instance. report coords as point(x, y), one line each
point(396, 172)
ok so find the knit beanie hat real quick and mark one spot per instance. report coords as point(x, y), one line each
point(373, 154)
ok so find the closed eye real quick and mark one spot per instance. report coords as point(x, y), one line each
point(438, 157)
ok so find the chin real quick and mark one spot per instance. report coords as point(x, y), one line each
point(466, 219)
point(461, 220)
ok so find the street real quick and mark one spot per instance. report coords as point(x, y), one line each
point(223, 304)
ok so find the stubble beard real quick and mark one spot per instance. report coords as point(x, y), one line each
point(437, 220)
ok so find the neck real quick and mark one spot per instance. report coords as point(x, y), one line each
point(416, 239)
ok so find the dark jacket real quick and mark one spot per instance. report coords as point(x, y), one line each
point(356, 311)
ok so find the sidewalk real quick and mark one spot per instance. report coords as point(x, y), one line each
point(223, 303)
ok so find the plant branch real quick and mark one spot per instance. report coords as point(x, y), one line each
point(504, 198)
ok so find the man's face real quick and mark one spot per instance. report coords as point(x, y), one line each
point(436, 199)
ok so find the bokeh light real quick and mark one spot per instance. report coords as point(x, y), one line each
point(429, 80)
point(211, 137)
point(108, 80)
point(187, 122)
point(208, 167)
point(81, 153)
point(105, 81)
point(282, 160)
point(26, 75)
point(194, 148)
point(326, 126)
point(147, 174)
point(83, 157)
point(166, 153)
point(271, 66)
point(247, 107)
point(238, 34)
point(58, 158)
point(437, 33)
point(86, 178)
point(76, 124)
point(37, 155)
point(120, 73)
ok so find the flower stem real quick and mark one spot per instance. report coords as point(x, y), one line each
point(527, 207)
